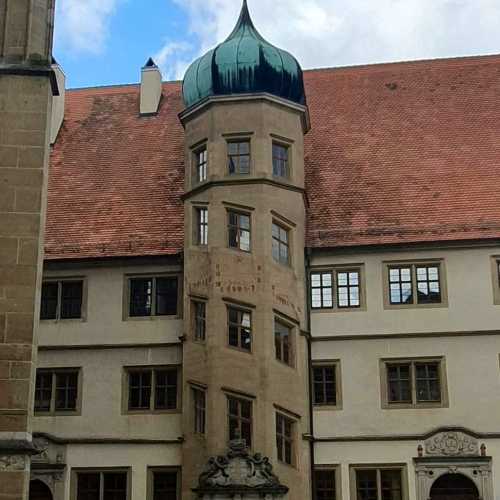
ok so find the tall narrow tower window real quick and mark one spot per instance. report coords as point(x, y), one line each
point(201, 163)
point(202, 226)
point(199, 407)
point(239, 328)
point(280, 160)
point(239, 231)
point(240, 419)
point(238, 157)
point(281, 244)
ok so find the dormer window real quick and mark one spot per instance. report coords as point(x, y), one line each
point(238, 153)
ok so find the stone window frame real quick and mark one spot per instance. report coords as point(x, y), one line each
point(195, 151)
point(152, 317)
point(288, 244)
point(333, 270)
point(495, 278)
point(336, 363)
point(384, 385)
point(59, 280)
point(413, 264)
point(98, 470)
point(163, 468)
point(238, 138)
point(248, 398)
point(402, 467)
point(151, 410)
point(334, 469)
point(285, 143)
point(281, 413)
point(242, 308)
point(194, 300)
point(279, 318)
point(196, 417)
point(61, 413)
point(200, 236)
point(239, 212)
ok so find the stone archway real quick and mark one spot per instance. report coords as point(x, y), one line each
point(39, 491)
point(454, 487)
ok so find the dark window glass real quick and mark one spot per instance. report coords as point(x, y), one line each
point(202, 226)
point(399, 383)
point(390, 484)
point(283, 342)
point(280, 160)
point(325, 485)
point(139, 387)
point(428, 286)
point(165, 389)
point(141, 297)
point(48, 309)
point(427, 382)
point(325, 385)
point(115, 486)
point(199, 319)
point(366, 485)
point(43, 391)
point(240, 419)
point(164, 485)
point(71, 299)
point(88, 486)
point(238, 157)
point(201, 159)
point(284, 438)
point(348, 289)
point(199, 406)
point(66, 391)
point(166, 296)
point(239, 231)
point(281, 245)
point(400, 285)
point(239, 328)
point(321, 290)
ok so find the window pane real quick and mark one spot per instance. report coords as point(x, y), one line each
point(399, 383)
point(428, 285)
point(88, 486)
point(428, 386)
point(71, 299)
point(141, 290)
point(115, 486)
point(43, 391)
point(325, 391)
point(391, 484)
point(164, 486)
point(199, 311)
point(48, 308)
point(325, 485)
point(66, 391)
point(140, 390)
point(166, 296)
point(165, 389)
point(199, 403)
point(366, 484)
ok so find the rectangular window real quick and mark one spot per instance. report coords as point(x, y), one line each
point(199, 309)
point(202, 226)
point(105, 485)
point(56, 391)
point(284, 438)
point(495, 268)
point(348, 288)
point(283, 342)
point(201, 163)
point(325, 384)
point(61, 299)
point(415, 284)
point(199, 409)
point(280, 160)
point(281, 244)
point(151, 389)
point(238, 153)
point(238, 228)
point(153, 296)
point(325, 484)
point(239, 328)
point(164, 484)
point(414, 382)
point(240, 419)
point(379, 484)
point(321, 290)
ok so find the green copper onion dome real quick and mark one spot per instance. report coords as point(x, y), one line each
point(244, 63)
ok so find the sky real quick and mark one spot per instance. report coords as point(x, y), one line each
point(106, 42)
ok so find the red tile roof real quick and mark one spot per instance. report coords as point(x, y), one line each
point(397, 153)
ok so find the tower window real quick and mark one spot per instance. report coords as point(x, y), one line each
point(239, 328)
point(284, 438)
point(238, 229)
point(199, 407)
point(240, 419)
point(280, 160)
point(283, 342)
point(238, 157)
point(201, 226)
point(199, 309)
point(201, 163)
point(281, 244)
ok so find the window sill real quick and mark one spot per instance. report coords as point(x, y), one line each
point(327, 407)
point(337, 310)
point(413, 406)
point(415, 306)
point(239, 349)
point(286, 365)
point(57, 414)
point(152, 412)
point(152, 318)
point(64, 320)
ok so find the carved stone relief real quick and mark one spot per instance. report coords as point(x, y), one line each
point(452, 443)
point(12, 462)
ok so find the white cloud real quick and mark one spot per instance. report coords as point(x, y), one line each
point(82, 25)
point(173, 59)
point(344, 32)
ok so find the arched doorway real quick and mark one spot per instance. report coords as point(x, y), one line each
point(454, 487)
point(39, 491)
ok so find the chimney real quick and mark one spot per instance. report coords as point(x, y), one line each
point(57, 102)
point(150, 88)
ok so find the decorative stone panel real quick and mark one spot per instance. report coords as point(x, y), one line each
point(451, 444)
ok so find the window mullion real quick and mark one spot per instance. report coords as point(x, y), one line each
point(153, 296)
point(414, 285)
point(53, 393)
point(153, 390)
point(413, 383)
point(379, 485)
point(101, 485)
point(59, 300)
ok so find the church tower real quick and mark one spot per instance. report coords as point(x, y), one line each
point(245, 369)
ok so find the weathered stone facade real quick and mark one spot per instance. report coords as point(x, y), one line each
point(25, 101)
